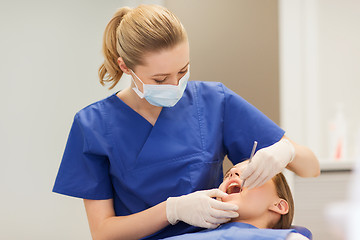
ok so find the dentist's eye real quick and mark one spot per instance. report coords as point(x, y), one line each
point(182, 72)
point(159, 80)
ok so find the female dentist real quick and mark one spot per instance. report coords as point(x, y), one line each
point(140, 157)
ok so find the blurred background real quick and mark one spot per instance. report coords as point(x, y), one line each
point(295, 60)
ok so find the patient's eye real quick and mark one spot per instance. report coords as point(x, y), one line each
point(227, 174)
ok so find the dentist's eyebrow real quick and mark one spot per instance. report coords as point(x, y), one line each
point(185, 66)
point(166, 74)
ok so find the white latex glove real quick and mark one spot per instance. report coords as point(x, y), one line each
point(267, 162)
point(200, 209)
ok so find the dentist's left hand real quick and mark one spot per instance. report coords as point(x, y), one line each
point(200, 209)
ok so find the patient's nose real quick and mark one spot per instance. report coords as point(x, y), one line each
point(234, 172)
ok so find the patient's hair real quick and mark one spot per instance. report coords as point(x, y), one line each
point(284, 192)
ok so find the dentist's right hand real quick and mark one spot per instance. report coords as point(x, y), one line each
point(200, 209)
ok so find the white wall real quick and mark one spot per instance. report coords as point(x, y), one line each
point(319, 66)
point(49, 55)
point(339, 66)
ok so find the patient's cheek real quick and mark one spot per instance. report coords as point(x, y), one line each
point(226, 198)
point(232, 200)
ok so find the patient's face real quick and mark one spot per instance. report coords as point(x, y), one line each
point(252, 203)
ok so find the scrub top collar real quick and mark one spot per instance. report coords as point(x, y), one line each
point(133, 112)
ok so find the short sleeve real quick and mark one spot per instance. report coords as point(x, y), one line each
point(82, 172)
point(244, 124)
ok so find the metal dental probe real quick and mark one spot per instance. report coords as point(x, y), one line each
point(251, 156)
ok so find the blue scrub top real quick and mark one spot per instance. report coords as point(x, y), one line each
point(113, 152)
point(237, 230)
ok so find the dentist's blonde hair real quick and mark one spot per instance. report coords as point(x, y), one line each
point(131, 33)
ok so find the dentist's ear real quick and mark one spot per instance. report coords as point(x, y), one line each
point(281, 207)
point(123, 66)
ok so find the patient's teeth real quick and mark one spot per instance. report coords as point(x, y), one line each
point(233, 188)
point(233, 184)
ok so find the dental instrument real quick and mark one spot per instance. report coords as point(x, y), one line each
point(251, 156)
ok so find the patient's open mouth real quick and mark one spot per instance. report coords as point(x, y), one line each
point(233, 188)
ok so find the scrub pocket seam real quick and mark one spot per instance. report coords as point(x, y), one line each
point(199, 118)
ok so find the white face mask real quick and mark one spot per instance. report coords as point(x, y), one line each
point(162, 95)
